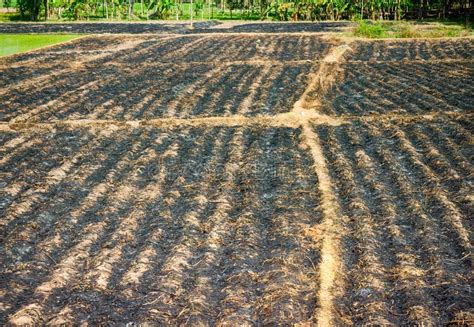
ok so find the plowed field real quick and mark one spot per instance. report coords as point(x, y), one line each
point(238, 178)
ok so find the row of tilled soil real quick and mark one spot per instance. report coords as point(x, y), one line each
point(148, 78)
point(103, 27)
point(183, 226)
point(156, 91)
point(413, 49)
point(223, 225)
point(401, 88)
point(200, 27)
point(405, 193)
point(145, 78)
point(221, 48)
point(215, 225)
point(132, 50)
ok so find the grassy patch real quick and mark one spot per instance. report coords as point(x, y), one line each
point(370, 30)
point(15, 43)
point(380, 30)
point(9, 16)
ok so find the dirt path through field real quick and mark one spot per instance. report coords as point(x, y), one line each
point(331, 229)
point(293, 119)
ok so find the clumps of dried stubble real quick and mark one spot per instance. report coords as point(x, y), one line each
point(408, 271)
point(428, 236)
point(366, 267)
point(434, 192)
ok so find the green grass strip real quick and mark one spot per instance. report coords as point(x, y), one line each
point(17, 43)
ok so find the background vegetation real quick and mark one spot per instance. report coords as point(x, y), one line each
point(240, 9)
point(403, 29)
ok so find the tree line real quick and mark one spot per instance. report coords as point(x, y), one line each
point(246, 9)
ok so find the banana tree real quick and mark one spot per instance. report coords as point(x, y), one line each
point(160, 9)
point(339, 6)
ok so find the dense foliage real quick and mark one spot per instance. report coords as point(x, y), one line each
point(256, 9)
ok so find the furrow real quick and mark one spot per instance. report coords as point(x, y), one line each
point(77, 258)
point(426, 268)
point(144, 260)
point(433, 192)
point(176, 269)
point(368, 265)
point(245, 238)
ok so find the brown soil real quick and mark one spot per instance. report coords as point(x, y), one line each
point(237, 179)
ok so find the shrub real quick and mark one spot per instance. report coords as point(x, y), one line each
point(406, 31)
point(369, 30)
